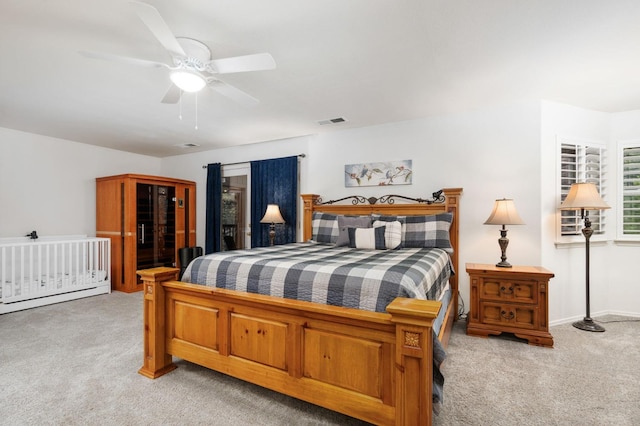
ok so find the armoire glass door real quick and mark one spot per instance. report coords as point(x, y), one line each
point(155, 225)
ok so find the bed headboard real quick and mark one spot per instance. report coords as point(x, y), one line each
point(446, 200)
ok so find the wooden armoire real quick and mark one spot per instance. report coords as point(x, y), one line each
point(148, 219)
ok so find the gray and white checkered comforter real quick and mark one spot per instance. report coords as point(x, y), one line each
point(322, 273)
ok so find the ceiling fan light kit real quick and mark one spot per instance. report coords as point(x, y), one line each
point(188, 81)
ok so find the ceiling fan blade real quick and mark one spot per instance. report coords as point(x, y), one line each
point(256, 62)
point(125, 59)
point(233, 93)
point(153, 20)
point(173, 95)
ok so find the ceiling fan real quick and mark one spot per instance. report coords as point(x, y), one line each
point(193, 68)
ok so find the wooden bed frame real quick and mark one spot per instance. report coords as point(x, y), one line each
point(373, 366)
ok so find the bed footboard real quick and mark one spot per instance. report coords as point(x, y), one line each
point(373, 366)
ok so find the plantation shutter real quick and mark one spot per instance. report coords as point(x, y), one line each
point(631, 191)
point(581, 163)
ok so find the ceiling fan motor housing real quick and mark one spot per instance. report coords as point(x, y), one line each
point(198, 55)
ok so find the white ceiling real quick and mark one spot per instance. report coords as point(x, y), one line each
point(370, 61)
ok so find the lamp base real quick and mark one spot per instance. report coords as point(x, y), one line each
point(587, 324)
point(503, 264)
point(272, 234)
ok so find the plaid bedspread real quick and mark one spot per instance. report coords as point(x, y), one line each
point(322, 273)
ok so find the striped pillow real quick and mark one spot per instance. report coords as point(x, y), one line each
point(367, 238)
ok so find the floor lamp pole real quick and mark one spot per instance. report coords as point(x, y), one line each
point(587, 323)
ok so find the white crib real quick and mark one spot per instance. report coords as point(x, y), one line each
point(51, 270)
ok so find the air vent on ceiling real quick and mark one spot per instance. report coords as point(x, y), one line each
point(337, 120)
point(187, 145)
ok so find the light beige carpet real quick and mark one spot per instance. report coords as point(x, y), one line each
point(76, 363)
point(586, 379)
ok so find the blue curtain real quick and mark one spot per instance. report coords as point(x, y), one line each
point(274, 182)
point(213, 223)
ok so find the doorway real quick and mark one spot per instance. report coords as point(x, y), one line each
point(236, 209)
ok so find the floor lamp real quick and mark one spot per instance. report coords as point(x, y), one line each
point(272, 216)
point(585, 197)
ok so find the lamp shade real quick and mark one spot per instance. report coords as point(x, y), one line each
point(583, 196)
point(272, 215)
point(504, 213)
point(188, 81)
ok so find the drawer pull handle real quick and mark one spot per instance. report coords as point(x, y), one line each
point(506, 290)
point(509, 316)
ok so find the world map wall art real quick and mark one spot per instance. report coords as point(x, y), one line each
point(378, 174)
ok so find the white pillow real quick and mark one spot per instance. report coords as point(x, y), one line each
point(392, 233)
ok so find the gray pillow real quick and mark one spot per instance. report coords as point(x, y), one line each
point(345, 222)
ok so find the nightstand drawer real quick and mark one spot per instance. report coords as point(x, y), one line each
point(520, 316)
point(509, 290)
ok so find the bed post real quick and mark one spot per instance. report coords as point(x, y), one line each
point(413, 359)
point(308, 201)
point(452, 199)
point(156, 360)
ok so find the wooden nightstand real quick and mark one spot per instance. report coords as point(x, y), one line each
point(509, 300)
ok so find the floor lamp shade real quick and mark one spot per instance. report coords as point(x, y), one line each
point(584, 197)
point(272, 216)
point(504, 213)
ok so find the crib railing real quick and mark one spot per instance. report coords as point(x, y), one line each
point(32, 269)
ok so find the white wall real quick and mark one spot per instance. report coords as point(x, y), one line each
point(614, 268)
point(48, 184)
point(567, 261)
point(623, 266)
point(491, 154)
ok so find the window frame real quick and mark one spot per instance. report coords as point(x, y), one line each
point(598, 217)
point(620, 148)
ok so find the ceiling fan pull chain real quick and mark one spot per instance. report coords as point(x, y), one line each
point(180, 106)
point(196, 110)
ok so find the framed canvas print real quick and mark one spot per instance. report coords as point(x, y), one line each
point(378, 174)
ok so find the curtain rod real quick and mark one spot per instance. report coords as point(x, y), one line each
point(242, 162)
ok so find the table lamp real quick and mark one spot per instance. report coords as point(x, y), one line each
point(272, 216)
point(504, 213)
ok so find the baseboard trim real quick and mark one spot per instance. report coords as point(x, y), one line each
point(594, 315)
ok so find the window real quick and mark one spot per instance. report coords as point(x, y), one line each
point(581, 162)
point(630, 169)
